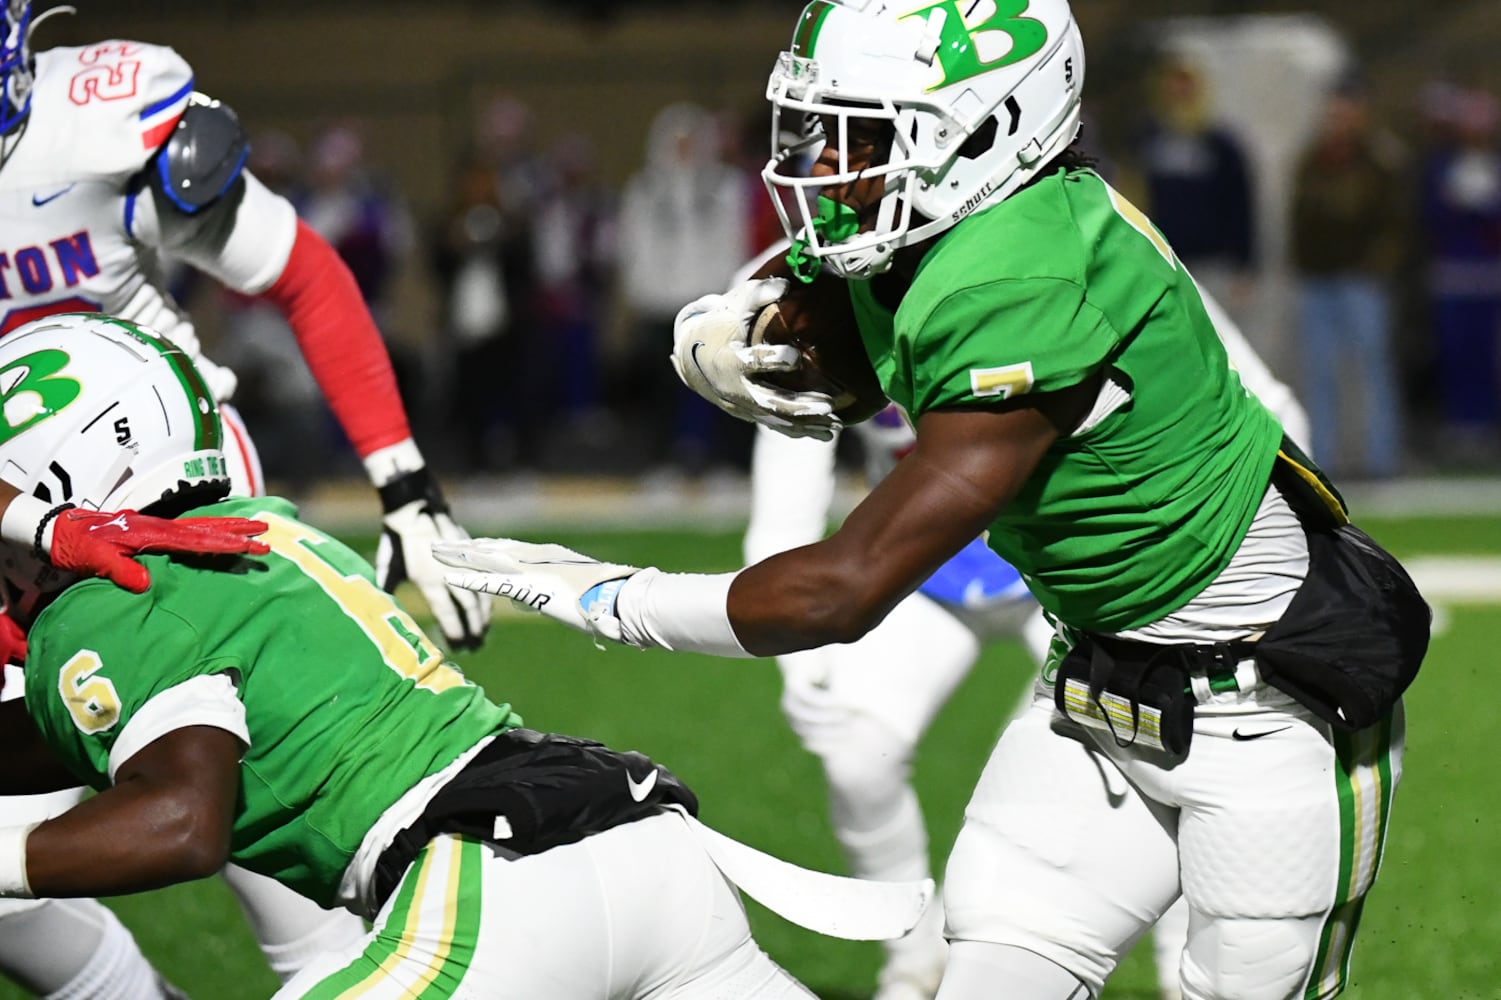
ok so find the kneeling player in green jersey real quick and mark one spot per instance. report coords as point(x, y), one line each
point(283, 712)
point(1220, 713)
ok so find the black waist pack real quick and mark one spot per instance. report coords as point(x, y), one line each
point(1356, 632)
point(1353, 637)
point(528, 792)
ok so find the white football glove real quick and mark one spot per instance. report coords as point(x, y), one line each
point(416, 517)
point(549, 579)
point(712, 354)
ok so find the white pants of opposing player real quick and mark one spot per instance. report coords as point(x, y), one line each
point(1072, 846)
point(637, 911)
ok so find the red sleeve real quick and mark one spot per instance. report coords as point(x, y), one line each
point(317, 294)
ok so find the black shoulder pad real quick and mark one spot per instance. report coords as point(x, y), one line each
point(203, 157)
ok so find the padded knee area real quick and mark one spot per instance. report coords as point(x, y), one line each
point(1250, 959)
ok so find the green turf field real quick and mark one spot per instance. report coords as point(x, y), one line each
point(1429, 927)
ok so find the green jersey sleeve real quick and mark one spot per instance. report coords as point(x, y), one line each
point(84, 692)
point(1003, 338)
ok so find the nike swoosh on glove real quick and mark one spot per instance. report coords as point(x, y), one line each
point(99, 543)
point(416, 517)
point(552, 580)
point(712, 355)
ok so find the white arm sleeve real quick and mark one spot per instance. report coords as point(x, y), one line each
point(1256, 376)
point(792, 489)
point(686, 612)
point(242, 242)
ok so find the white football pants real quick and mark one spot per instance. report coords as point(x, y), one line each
point(639, 910)
point(1072, 846)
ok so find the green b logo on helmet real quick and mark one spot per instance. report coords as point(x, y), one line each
point(962, 50)
point(31, 390)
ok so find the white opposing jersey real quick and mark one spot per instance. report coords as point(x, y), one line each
point(79, 230)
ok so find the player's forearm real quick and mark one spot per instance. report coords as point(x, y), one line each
point(792, 601)
point(131, 838)
point(803, 599)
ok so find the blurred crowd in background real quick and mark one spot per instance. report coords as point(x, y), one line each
point(555, 293)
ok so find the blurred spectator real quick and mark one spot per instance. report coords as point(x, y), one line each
point(683, 233)
point(1197, 186)
point(478, 259)
point(1347, 240)
point(574, 240)
point(365, 224)
point(505, 140)
point(276, 159)
point(750, 147)
point(1462, 220)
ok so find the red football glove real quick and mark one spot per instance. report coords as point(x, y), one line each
point(98, 543)
point(12, 643)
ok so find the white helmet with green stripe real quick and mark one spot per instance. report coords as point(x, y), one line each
point(104, 414)
point(980, 94)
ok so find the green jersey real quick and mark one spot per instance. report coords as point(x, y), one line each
point(1132, 516)
point(347, 704)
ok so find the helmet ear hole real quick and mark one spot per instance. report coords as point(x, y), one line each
point(981, 141)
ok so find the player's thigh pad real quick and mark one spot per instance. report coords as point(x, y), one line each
point(637, 910)
point(1059, 854)
point(21, 810)
point(1287, 827)
point(1287, 823)
point(900, 673)
point(1249, 959)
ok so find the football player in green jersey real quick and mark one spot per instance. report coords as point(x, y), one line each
point(1220, 713)
point(282, 711)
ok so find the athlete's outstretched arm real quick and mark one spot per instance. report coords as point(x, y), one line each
point(167, 819)
point(966, 466)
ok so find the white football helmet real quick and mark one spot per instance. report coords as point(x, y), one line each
point(980, 94)
point(103, 414)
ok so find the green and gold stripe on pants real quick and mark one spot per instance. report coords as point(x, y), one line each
point(1367, 766)
point(425, 944)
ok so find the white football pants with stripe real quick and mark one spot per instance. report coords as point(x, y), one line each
point(1272, 830)
point(639, 910)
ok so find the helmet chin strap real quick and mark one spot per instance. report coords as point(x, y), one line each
point(834, 223)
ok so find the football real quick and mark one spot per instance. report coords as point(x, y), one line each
point(819, 320)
